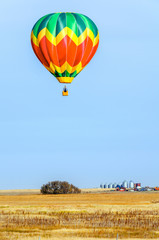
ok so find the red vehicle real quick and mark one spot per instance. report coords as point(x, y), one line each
point(122, 190)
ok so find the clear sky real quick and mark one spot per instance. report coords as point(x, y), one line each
point(107, 130)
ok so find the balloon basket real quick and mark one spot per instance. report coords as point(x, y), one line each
point(64, 93)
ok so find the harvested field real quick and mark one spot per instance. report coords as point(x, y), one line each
point(79, 216)
point(19, 192)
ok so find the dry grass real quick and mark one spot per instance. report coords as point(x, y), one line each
point(79, 216)
point(19, 192)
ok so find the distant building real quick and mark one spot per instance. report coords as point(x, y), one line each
point(110, 185)
point(114, 185)
point(125, 184)
point(138, 184)
point(131, 184)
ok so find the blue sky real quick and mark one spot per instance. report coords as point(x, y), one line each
point(107, 130)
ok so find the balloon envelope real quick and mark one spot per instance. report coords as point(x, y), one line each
point(65, 43)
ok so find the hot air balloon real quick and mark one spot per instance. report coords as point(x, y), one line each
point(65, 43)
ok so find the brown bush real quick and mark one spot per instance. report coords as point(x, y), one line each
point(58, 187)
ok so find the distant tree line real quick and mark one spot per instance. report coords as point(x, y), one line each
point(58, 187)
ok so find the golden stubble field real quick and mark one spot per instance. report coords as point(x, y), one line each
point(27, 215)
